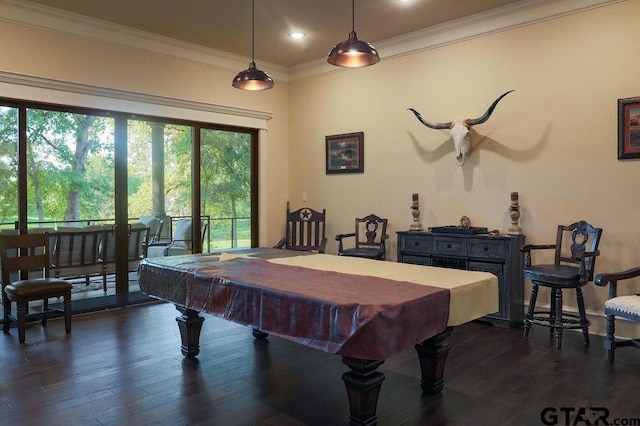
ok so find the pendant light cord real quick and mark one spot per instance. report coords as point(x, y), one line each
point(353, 16)
point(253, 30)
point(252, 78)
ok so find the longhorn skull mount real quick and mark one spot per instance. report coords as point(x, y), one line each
point(460, 127)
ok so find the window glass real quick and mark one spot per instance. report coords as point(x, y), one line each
point(8, 166)
point(225, 178)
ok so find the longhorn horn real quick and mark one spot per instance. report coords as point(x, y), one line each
point(436, 126)
point(472, 122)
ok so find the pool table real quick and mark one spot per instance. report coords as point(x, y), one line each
point(363, 310)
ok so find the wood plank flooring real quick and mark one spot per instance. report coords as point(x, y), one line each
point(124, 367)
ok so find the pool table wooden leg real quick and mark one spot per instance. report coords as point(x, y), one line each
point(190, 324)
point(363, 385)
point(433, 356)
point(259, 334)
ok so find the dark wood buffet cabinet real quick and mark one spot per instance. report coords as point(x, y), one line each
point(498, 254)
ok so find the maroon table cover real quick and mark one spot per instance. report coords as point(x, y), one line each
point(350, 315)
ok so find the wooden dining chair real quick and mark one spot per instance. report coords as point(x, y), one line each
point(304, 230)
point(369, 239)
point(19, 256)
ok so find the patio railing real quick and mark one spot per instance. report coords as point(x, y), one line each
point(222, 232)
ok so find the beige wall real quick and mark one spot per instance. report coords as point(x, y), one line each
point(41, 53)
point(554, 140)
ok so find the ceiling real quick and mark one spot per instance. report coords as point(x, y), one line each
point(226, 24)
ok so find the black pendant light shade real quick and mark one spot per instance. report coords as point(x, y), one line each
point(353, 53)
point(252, 78)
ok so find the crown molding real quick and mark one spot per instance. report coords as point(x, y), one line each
point(89, 92)
point(59, 21)
point(525, 12)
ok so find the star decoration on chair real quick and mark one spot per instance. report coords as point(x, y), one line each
point(305, 214)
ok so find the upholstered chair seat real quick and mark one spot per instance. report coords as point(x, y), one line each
point(561, 273)
point(623, 306)
point(36, 286)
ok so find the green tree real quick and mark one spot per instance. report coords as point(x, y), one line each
point(226, 175)
point(8, 163)
point(139, 168)
point(64, 179)
point(70, 168)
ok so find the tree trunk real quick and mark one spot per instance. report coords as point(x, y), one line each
point(79, 167)
point(234, 223)
point(35, 181)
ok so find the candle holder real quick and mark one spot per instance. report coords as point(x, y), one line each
point(415, 212)
point(514, 214)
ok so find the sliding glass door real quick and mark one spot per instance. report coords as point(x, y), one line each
point(227, 182)
point(8, 167)
point(70, 193)
point(112, 188)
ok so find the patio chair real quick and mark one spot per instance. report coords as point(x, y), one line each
point(181, 243)
point(155, 227)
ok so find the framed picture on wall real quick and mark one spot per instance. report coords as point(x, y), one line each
point(628, 128)
point(345, 153)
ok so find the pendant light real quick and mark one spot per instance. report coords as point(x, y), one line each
point(252, 78)
point(353, 53)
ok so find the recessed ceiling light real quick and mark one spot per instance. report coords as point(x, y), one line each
point(297, 35)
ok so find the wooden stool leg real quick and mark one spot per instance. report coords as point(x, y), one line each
point(558, 318)
point(45, 310)
point(6, 306)
point(528, 318)
point(584, 322)
point(552, 311)
point(610, 340)
point(22, 308)
point(67, 311)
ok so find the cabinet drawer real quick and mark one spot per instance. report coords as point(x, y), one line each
point(416, 244)
point(447, 262)
point(449, 246)
point(486, 249)
point(416, 260)
point(494, 268)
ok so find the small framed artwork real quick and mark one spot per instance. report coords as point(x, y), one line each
point(345, 153)
point(628, 128)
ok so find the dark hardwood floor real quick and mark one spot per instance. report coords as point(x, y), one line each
point(124, 367)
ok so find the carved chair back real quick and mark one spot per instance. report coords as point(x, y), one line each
point(370, 231)
point(574, 241)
